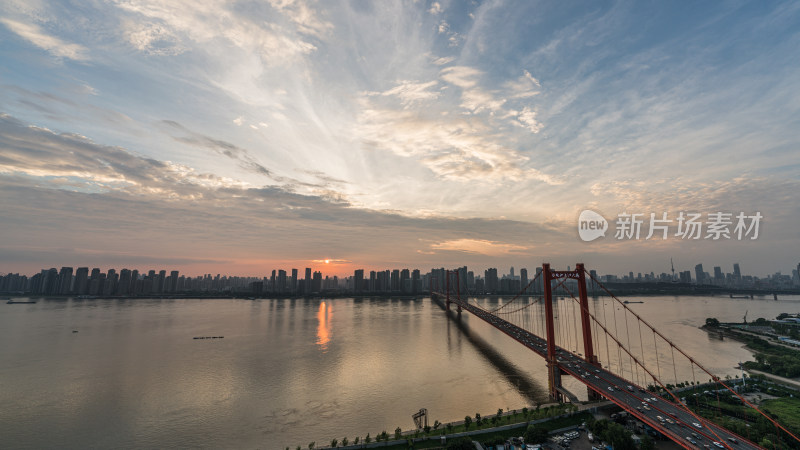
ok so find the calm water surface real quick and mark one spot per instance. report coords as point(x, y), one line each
point(287, 372)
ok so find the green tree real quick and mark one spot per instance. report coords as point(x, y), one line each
point(478, 419)
point(712, 322)
point(367, 439)
point(449, 427)
point(436, 424)
point(467, 422)
point(525, 412)
point(334, 443)
point(647, 443)
point(535, 434)
point(344, 442)
point(355, 441)
point(499, 412)
point(311, 445)
point(427, 429)
point(397, 433)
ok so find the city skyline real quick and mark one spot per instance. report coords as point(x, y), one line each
point(80, 281)
point(239, 137)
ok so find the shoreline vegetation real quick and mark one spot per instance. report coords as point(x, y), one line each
point(491, 427)
point(773, 355)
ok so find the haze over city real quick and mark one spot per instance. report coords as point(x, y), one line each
point(239, 138)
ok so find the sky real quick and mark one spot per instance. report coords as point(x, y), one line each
point(245, 136)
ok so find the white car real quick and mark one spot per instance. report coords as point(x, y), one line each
point(697, 425)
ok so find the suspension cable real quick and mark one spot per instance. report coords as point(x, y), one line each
point(677, 399)
point(713, 377)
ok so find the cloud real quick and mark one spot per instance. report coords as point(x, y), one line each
point(455, 148)
point(473, 98)
point(304, 17)
point(410, 92)
point(527, 118)
point(436, 8)
point(461, 76)
point(444, 60)
point(57, 47)
point(153, 38)
point(100, 197)
point(219, 146)
point(524, 86)
point(210, 22)
point(478, 246)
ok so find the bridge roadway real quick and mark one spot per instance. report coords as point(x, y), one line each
point(663, 415)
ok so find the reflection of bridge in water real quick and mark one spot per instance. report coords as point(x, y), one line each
point(568, 334)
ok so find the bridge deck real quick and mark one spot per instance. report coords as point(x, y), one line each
point(648, 407)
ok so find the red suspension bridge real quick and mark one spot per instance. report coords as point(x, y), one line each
point(600, 349)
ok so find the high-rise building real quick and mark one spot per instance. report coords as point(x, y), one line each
point(462, 279)
point(492, 283)
point(737, 273)
point(136, 283)
point(686, 276)
point(162, 275)
point(523, 279)
point(699, 274)
point(282, 281)
point(65, 280)
point(415, 281)
point(511, 272)
point(124, 286)
point(50, 284)
point(81, 281)
point(358, 281)
point(395, 280)
point(380, 281)
point(111, 283)
point(317, 284)
point(307, 281)
point(372, 287)
point(174, 275)
point(405, 283)
point(719, 278)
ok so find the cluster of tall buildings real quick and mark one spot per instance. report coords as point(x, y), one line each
point(718, 278)
point(398, 281)
point(126, 282)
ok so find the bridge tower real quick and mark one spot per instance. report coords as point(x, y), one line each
point(586, 324)
point(554, 374)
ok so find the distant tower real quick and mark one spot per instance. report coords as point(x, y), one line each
point(674, 280)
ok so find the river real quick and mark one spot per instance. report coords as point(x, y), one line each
point(78, 373)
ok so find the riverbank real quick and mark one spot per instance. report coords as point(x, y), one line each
point(439, 439)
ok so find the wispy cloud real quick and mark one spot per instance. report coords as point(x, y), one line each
point(53, 45)
point(478, 246)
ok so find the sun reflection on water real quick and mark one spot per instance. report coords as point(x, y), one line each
point(324, 315)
